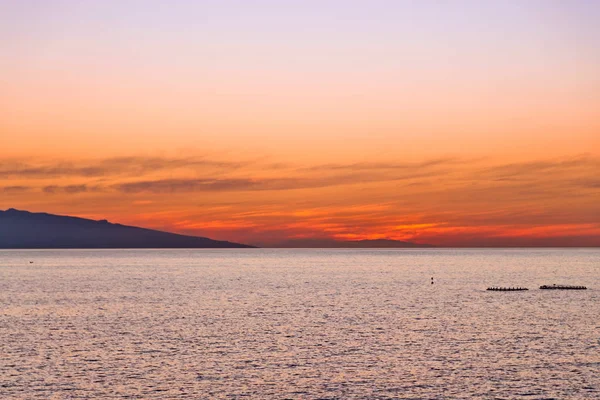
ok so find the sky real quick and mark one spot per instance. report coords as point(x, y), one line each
point(453, 123)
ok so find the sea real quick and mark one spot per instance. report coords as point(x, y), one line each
point(299, 324)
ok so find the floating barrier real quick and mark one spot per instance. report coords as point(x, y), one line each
point(563, 287)
point(506, 289)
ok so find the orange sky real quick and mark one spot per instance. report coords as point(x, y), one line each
point(472, 124)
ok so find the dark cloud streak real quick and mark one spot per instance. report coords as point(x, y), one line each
point(118, 166)
point(70, 189)
point(366, 166)
point(248, 184)
point(16, 189)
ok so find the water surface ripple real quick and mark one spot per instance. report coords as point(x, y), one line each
point(314, 324)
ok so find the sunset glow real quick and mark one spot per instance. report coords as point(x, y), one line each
point(455, 124)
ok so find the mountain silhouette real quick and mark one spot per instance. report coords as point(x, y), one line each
point(27, 230)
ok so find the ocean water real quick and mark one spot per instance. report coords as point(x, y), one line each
point(314, 324)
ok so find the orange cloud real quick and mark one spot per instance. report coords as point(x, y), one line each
point(445, 201)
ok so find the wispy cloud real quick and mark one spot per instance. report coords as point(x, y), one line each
point(442, 201)
point(369, 166)
point(260, 184)
point(70, 189)
point(536, 168)
point(15, 189)
point(117, 166)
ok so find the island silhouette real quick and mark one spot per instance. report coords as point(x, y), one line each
point(27, 230)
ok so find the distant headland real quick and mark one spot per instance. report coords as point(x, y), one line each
point(349, 244)
point(27, 230)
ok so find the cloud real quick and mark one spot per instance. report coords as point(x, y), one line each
point(185, 185)
point(70, 189)
point(259, 184)
point(442, 201)
point(590, 183)
point(117, 166)
point(368, 166)
point(15, 189)
point(451, 180)
point(513, 171)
